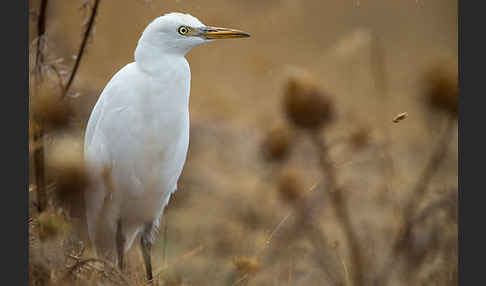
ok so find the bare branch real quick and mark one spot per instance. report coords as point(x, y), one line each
point(109, 270)
point(39, 134)
point(340, 208)
point(41, 30)
point(417, 195)
point(86, 35)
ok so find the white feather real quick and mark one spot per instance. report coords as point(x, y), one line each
point(139, 129)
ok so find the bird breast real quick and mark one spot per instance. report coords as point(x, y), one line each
point(160, 147)
point(149, 144)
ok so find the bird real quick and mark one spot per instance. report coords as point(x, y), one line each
point(137, 137)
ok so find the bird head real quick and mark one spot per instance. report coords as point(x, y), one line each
point(177, 33)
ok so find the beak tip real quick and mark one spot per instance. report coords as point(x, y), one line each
point(224, 33)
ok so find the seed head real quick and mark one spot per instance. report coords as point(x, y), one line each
point(65, 159)
point(441, 89)
point(50, 110)
point(306, 105)
point(290, 186)
point(360, 138)
point(277, 144)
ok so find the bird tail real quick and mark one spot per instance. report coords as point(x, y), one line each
point(101, 215)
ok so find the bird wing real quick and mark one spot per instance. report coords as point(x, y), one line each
point(110, 90)
point(97, 155)
point(143, 141)
point(92, 122)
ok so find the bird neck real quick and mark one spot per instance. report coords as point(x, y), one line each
point(157, 61)
point(170, 70)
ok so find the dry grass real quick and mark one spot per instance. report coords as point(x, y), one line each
point(290, 179)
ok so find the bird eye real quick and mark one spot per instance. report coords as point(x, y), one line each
point(183, 30)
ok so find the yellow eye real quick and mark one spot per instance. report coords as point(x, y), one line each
point(183, 30)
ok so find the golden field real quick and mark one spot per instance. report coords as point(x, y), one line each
point(265, 198)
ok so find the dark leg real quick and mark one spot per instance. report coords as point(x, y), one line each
point(146, 244)
point(120, 244)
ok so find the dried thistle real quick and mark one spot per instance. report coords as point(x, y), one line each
point(290, 186)
point(306, 105)
point(66, 162)
point(277, 144)
point(246, 265)
point(441, 89)
point(360, 138)
point(50, 110)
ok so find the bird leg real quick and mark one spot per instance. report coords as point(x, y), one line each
point(146, 244)
point(120, 244)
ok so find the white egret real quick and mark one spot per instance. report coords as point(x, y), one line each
point(138, 135)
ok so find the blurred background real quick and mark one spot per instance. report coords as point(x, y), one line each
point(323, 149)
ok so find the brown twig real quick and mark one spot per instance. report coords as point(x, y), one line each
point(86, 35)
point(432, 208)
point(39, 171)
point(387, 163)
point(322, 253)
point(433, 164)
point(180, 259)
point(82, 262)
point(282, 221)
point(315, 236)
point(240, 280)
point(41, 30)
point(417, 195)
point(340, 208)
point(58, 75)
point(304, 226)
point(38, 136)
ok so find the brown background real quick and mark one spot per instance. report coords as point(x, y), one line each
point(369, 55)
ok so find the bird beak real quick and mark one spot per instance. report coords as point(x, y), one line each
point(222, 33)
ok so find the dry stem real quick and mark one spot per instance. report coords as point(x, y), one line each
point(39, 133)
point(111, 269)
point(418, 193)
point(87, 32)
point(41, 30)
point(340, 208)
point(40, 171)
